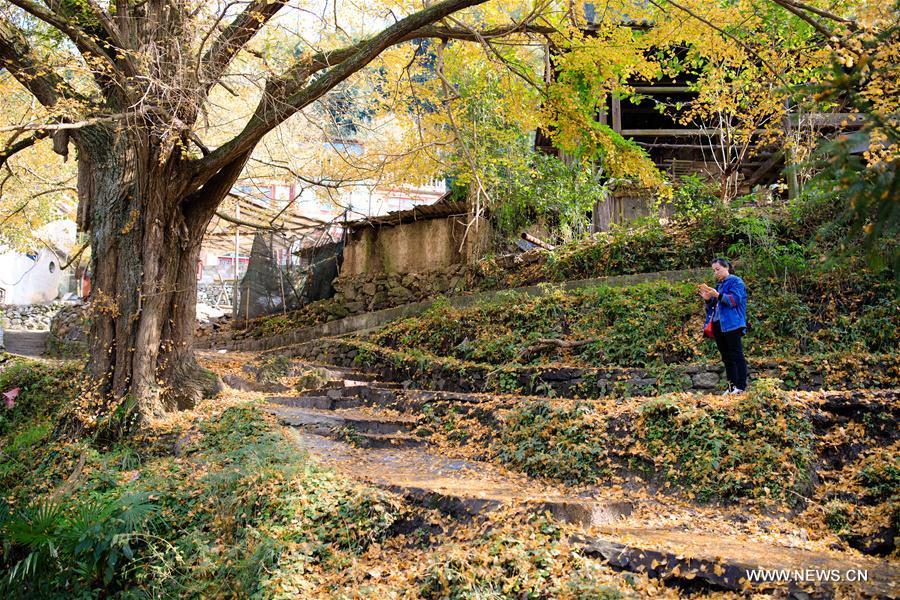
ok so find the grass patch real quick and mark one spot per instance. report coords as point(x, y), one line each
point(650, 324)
point(565, 443)
point(758, 445)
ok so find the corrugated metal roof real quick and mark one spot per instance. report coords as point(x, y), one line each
point(441, 209)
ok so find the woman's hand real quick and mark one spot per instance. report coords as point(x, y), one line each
point(707, 292)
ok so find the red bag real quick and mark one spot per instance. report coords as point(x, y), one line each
point(708, 330)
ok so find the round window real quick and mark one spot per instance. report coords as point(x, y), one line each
point(52, 266)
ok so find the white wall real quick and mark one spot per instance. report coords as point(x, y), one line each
point(28, 281)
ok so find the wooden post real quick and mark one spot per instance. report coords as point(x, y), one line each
point(790, 173)
point(616, 114)
point(237, 248)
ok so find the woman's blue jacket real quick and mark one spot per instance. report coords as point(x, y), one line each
point(732, 304)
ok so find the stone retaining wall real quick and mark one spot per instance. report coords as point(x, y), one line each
point(68, 332)
point(804, 373)
point(30, 317)
point(368, 292)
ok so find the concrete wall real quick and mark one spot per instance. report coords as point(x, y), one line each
point(30, 281)
point(411, 247)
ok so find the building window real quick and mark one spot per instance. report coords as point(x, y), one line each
point(52, 266)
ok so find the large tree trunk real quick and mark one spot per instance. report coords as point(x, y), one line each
point(145, 240)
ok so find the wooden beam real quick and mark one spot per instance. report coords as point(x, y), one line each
point(617, 114)
point(661, 132)
point(660, 89)
point(764, 168)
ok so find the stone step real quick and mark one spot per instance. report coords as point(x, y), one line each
point(381, 440)
point(326, 421)
point(25, 343)
point(695, 555)
point(322, 401)
point(721, 562)
point(319, 402)
point(458, 487)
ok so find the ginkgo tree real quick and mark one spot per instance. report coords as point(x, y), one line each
point(147, 186)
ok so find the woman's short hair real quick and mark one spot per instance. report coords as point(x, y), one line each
point(725, 263)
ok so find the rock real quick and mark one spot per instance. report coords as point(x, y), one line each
point(705, 380)
point(354, 308)
point(879, 543)
point(561, 374)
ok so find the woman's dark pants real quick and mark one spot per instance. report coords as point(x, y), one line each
point(732, 351)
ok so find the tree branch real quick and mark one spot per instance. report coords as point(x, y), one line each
point(289, 93)
point(235, 35)
point(82, 40)
point(243, 223)
point(22, 144)
point(798, 12)
point(20, 60)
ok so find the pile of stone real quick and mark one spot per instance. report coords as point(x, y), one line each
point(29, 317)
point(211, 293)
point(68, 331)
point(211, 319)
point(374, 291)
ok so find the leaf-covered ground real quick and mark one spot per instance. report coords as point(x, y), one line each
point(217, 503)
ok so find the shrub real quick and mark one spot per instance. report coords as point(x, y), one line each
point(756, 445)
point(561, 443)
point(43, 388)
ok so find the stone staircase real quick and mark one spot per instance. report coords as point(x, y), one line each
point(25, 343)
point(367, 430)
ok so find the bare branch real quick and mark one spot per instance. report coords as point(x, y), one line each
point(234, 37)
point(70, 125)
point(76, 256)
point(243, 223)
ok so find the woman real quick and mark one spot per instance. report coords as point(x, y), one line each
point(726, 309)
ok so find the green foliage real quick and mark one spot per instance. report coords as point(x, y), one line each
point(44, 386)
point(549, 192)
point(693, 198)
point(272, 368)
point(79, 547)
point(756, 446)
point(759, 446)
point(837, 515)
point(768, 255)
point(642, 247)
point(238, 509)
point(881, 477)
point(555, 442)
point(864, 72)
